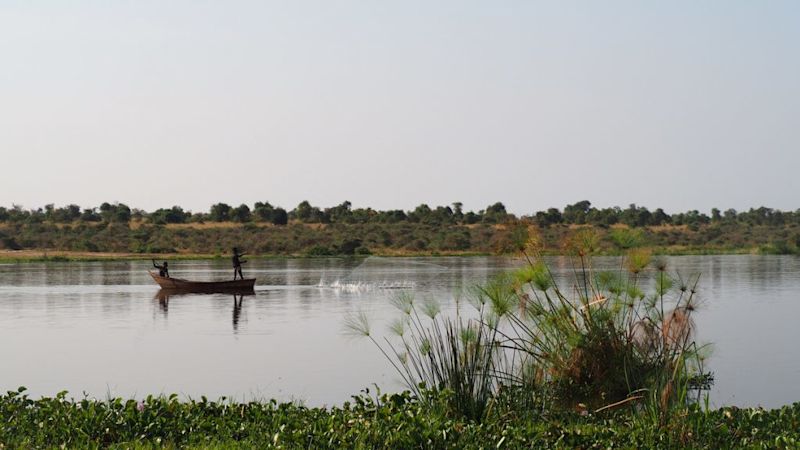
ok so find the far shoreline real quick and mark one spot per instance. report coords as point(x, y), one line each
point(47, 255)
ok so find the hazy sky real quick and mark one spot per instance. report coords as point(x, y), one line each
point(681, 105)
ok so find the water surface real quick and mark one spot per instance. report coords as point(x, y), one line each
point(101, 328)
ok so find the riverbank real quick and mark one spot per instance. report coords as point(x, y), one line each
point(391, 421)
point(93, 241)
point(29, 256)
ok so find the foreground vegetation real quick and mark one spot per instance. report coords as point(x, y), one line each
point(387, 421)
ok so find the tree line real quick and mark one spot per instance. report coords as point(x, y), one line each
point(579, 213)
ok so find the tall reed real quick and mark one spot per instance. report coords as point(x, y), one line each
point(592, 341)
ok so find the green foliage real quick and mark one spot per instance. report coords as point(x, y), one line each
point(626, 238)
point(176, 214)
point(241, 214)
point(117, 212)
point(380, 421)
point(280, 217)
point(220, 212)
point(424, 230)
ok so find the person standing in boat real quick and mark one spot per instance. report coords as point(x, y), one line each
point(163, 270)
point(237, 263)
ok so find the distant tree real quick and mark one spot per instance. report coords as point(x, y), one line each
point(715, 215)
point(636, 216)
point(106, 211)
point(442, 215)
point(694, 218)
point(171, 215)
point(420, 214)
point(280, 216)
point(220, 212)
point(495, 213)
point(659, 217)
point(49, 210)
point(264, 211)
point(35, 216)
point(89, 215)
point(471, 218)
point(458, 212)
point(550, 217)
point(122, 213)
point(306, 213)
point(241, 214)
point(362, 215)
point(68, 214)
point(391, 216)
point(603, 217)
point(138, 214)
point(340, 213)
point(303, 211)
point(118, 212)
point(577, 213)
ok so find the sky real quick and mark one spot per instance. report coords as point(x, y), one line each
point(680, 105)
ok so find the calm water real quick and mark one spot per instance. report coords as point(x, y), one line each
point(100, 327)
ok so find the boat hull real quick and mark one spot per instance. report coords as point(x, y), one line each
point(203, 286)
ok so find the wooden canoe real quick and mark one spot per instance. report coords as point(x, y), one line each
point(165, 294)
point(203, 286)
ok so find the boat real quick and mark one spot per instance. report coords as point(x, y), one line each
point(163, 295)
point(179, 284)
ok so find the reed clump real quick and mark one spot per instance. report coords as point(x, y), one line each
point(592, 341)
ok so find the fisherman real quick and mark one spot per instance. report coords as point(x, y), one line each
point(163, 270)
point(237, 263)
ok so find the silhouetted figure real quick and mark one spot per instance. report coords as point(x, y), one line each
point(163, 270)
point(237, 263)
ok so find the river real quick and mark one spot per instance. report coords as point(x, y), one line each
point(100, 329)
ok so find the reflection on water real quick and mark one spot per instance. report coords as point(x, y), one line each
point(105, 328)
point(163, 296)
